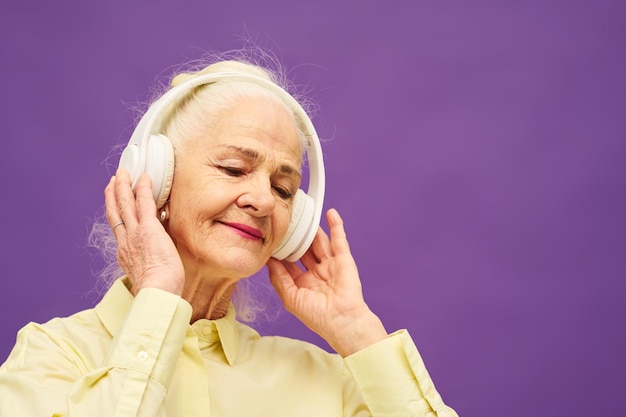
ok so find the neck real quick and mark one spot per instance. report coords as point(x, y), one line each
point(208, 300)
point(208, 295)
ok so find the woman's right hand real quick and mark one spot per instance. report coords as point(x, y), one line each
point(145, 250)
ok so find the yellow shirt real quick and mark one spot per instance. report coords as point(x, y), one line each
point(138, 356)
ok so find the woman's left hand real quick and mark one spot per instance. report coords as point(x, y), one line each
point(326, 295)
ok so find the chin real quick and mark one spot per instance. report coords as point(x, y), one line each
point(242, 263)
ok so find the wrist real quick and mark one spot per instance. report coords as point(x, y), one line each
point(161, 283)
point(357, 334)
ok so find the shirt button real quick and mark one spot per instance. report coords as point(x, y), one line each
point(142, 355)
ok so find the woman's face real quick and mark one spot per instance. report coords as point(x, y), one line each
point(233, 189)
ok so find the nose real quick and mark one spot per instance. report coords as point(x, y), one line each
point(258, 198)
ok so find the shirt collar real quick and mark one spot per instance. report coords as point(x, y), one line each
point(116, 303)
point(224, 331)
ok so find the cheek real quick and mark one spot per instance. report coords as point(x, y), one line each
point(282, 219)
point(187, 220)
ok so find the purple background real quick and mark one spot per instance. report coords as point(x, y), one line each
point(475, 149)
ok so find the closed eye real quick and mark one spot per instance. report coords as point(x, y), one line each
point(283, 193)
point(232, 171)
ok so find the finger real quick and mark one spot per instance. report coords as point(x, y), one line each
point(292, 268)
point(280, 278)
point(110, 203)
point(146, 207)
point(318, 270)
point(126, 204)
point(111, 209)
point(309, 260)
point(338, 238)
point(321, 248)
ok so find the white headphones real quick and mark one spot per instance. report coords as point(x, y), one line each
point(151, 152)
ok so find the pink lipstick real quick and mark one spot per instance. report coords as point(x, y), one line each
point(245, 231)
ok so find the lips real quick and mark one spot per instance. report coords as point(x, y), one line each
point(245, 230)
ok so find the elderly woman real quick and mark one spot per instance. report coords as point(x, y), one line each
point(206, 195)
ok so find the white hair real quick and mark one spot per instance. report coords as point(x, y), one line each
point(195, 112)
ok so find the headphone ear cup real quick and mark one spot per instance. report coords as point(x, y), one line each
point(160, 167)
point(130, 161)
point(299, 234)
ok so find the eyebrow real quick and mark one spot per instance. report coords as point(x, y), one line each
point(254, 155)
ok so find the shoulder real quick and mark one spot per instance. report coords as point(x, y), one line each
point(75, 339)
point(288, 352)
